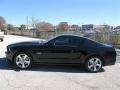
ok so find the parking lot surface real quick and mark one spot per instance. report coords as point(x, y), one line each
point(44, 77)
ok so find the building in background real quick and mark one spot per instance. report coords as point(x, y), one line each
point(74, 28)
point(87, 27)
point(117, 28)
point(91, 28)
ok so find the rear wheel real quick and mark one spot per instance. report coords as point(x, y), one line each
point(22, 60)
point(94, 64)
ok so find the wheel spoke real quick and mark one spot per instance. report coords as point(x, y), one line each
point(27, 62)
point(91, 62)
point(99, 65)
point(19, 57)
point(18, 62)
point(23, 65)
point(95, 68)
point(90, 66)
point(96, 61)
point(25, 57)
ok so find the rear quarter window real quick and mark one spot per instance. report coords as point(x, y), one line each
point(90, 43)
point(75, 41)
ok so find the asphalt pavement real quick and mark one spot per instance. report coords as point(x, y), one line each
point(44, 77)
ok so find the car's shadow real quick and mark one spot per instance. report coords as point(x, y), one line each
point(5, 65)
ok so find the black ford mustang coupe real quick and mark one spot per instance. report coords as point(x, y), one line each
point(62, 49)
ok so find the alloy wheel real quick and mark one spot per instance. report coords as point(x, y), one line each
point(94, 64)
point(23, 61)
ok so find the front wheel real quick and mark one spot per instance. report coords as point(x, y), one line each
point(94, 64)
point(22, 60)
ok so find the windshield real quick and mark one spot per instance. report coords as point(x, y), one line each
point(49, 39)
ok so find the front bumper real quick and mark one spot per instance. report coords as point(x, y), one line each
point(9, 56)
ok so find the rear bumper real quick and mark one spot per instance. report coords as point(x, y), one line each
point(110, 58)
point(110, 62)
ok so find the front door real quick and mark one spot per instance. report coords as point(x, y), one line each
point(60, 51)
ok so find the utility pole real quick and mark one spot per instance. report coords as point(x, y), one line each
point(33, 22)
point(27, 22)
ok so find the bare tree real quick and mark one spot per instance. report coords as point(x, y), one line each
point(44, 26)
point(63, 27)
point(2, 23)
point(106, 27)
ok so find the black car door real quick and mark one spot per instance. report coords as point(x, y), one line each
point(67, 49)
point(55, 51)
point(60, 50)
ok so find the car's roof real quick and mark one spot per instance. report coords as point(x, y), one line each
point(64, 35)
point(74, 35)
point(69, 35)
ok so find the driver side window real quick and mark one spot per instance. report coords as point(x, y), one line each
point(62, 41)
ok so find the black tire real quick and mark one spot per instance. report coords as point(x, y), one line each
point(88, 64)
point(22, 53)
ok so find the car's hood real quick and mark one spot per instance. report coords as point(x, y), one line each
point(27, 43)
